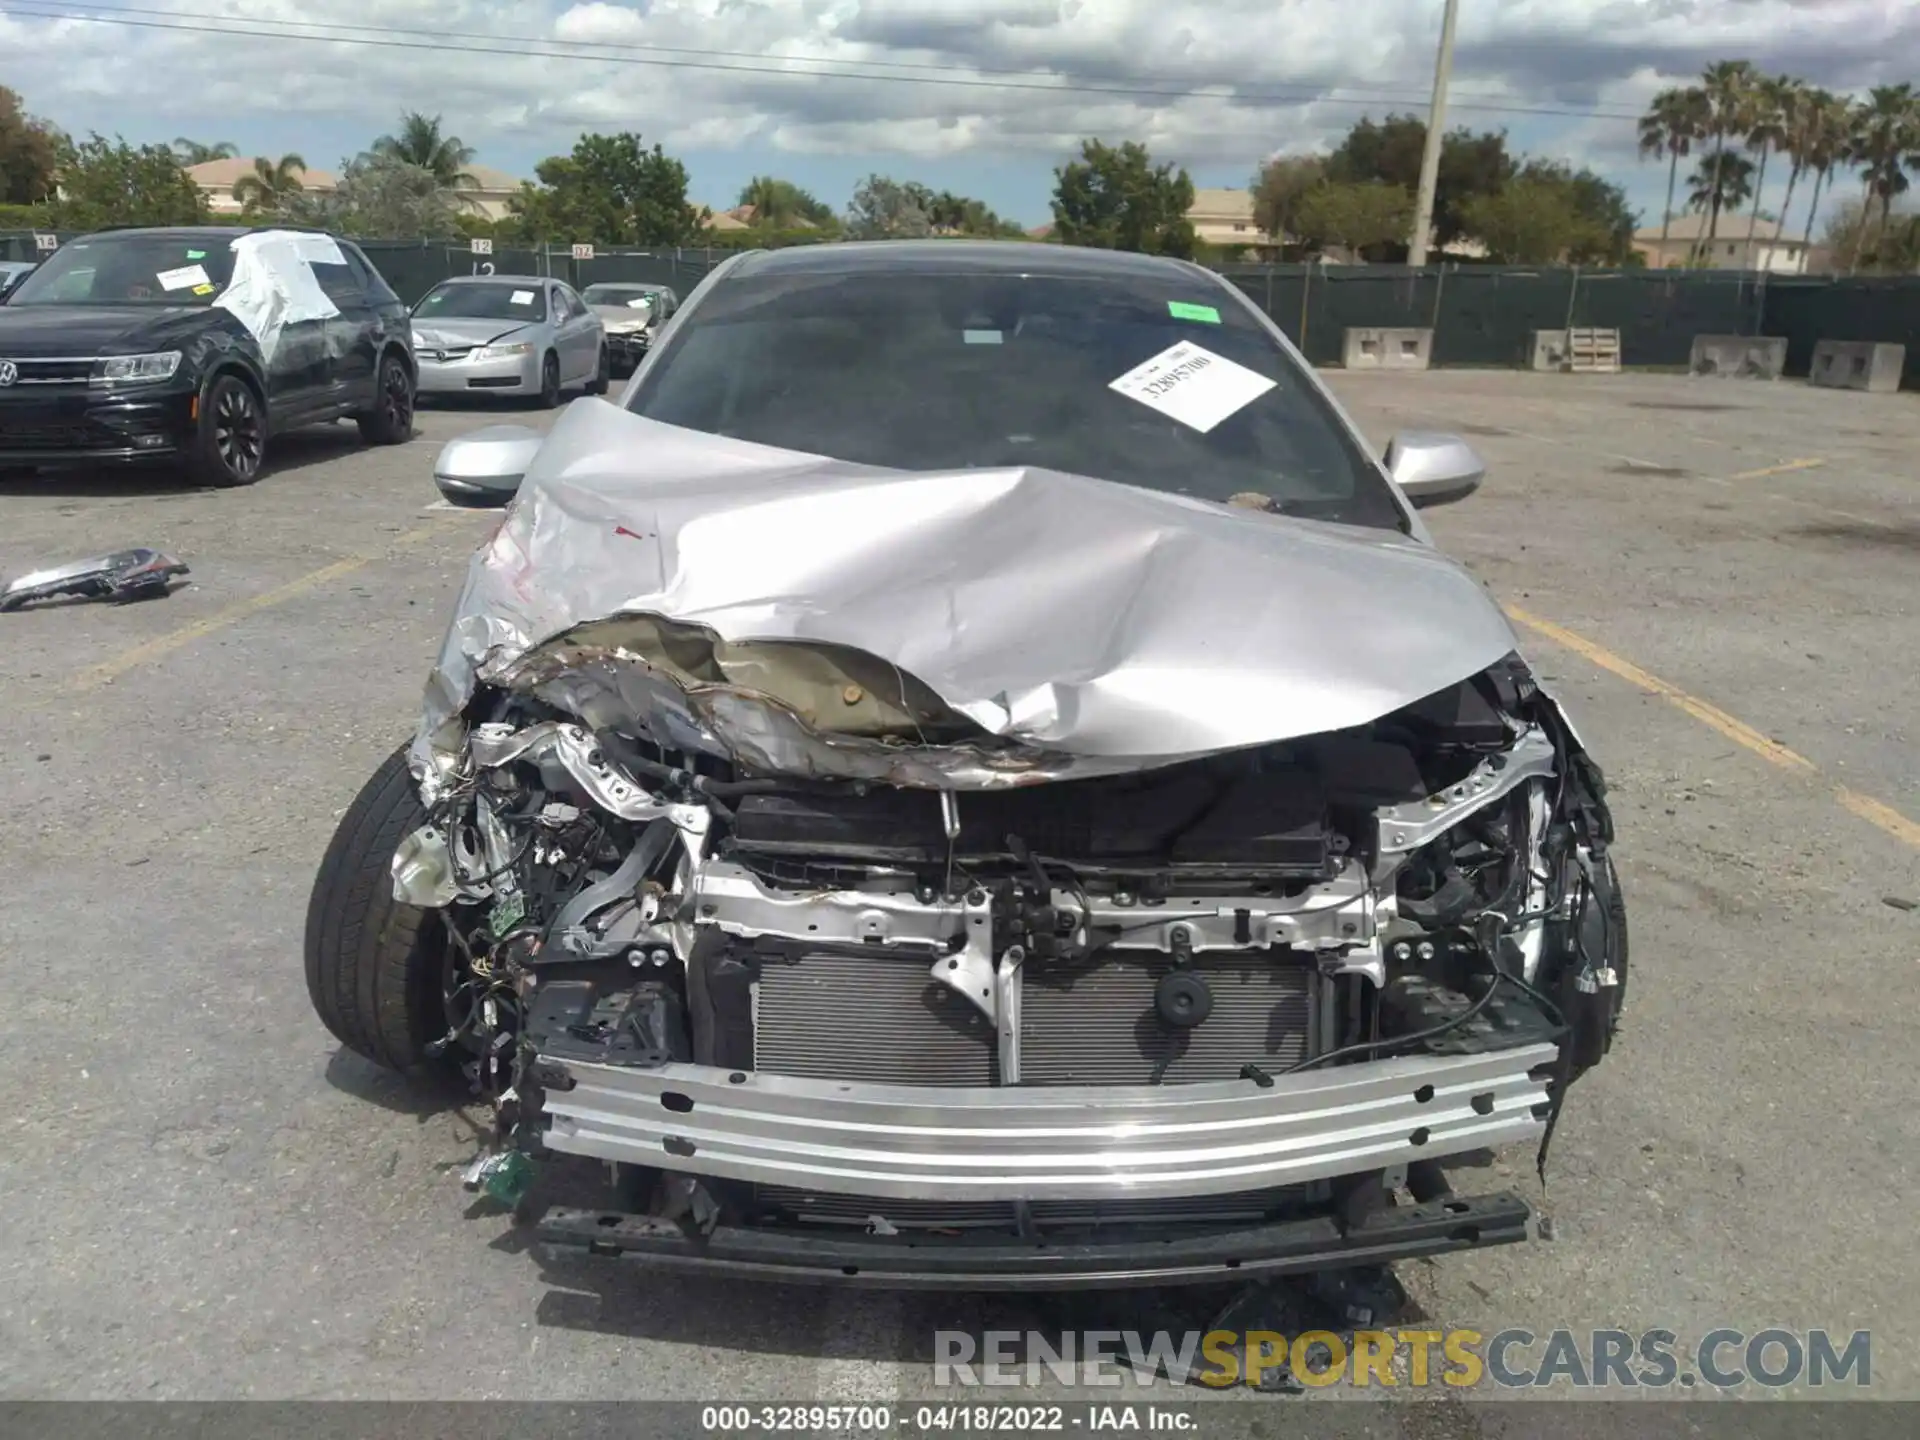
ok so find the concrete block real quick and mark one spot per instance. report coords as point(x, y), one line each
point(1549, 350)
point(1857, 365)
point(1746, 357)
point(1375, 348)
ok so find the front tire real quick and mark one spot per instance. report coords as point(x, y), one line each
point(230, 443)
point(390, 422)
point(550, 381)
point(602, 374)
point(374, 966)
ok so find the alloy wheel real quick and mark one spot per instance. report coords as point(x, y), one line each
point(237, 431)
point(396, 398)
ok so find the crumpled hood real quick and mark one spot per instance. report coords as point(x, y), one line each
point(460, 333)
point(622, 315)
point(1085, 626)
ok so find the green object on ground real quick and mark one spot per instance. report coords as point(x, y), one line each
point(506, 1177)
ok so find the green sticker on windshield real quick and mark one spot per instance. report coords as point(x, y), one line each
point(1181, 310)
point(196, 254)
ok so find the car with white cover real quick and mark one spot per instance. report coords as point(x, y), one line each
point(972, 774)
point(194, 346)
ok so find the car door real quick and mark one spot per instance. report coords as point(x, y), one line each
point(575, 333)
point(352, 344)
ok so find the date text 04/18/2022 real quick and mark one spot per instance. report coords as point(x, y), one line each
point(950, 1419)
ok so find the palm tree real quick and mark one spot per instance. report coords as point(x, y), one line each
point(1796, 115)
point(1724, 181)
point(420, 143)
point(1729, 87)
point(1886, 133)
point(193, 152)
point(1773, 102)
point(271, 185)
point(1674, 121)
point(1827, 130)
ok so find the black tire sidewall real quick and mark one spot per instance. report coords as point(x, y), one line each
point(550, 369)
point(375, 427)
point(206, 465)
point(374, 966)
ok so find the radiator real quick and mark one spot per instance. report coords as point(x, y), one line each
point(882, 1018)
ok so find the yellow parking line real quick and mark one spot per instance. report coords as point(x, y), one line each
point(149, 650)
point(1712, 716)
point(1785, 467)
point(1874, 812)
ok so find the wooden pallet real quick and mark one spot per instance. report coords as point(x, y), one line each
point(1593, 352)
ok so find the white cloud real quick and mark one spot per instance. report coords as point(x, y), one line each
point(745, 74)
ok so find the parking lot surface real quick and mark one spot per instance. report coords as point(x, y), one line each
point(206, 1199)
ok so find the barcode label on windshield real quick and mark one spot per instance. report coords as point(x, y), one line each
point(1193, 385)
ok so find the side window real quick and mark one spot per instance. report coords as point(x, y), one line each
point(343, 287)
point(370, 279)
point(557, 304)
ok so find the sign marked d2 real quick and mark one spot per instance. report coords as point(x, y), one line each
point(480, 246)
point(1188, 383)
point(583, 252)
point(46, 242)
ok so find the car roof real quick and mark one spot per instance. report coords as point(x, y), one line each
point(223, 232)
point(1006, 257)
point(503, 280)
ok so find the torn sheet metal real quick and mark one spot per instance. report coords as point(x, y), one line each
point(273, 284)
point(137, 574)
point(1065, 625)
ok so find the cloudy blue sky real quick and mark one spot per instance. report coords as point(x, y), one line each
point(980, 96)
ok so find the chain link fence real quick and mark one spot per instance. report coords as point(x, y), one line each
point(1486, 314)
point(1480, 314)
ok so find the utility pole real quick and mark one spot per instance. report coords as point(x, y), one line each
point(1436, 122)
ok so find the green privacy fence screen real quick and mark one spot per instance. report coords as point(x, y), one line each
point(1480, 314)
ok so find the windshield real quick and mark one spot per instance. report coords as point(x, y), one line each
point(1163, 384)
point(526, 304)
point(131, 269)
point(627, 295)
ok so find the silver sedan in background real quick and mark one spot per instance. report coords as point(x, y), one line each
point(524, 335)
point(633, 314)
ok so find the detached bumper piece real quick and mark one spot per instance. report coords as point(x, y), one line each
point(1046, 1142)
point(1158, 1257)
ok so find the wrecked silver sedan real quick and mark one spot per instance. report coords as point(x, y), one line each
point(972, 775)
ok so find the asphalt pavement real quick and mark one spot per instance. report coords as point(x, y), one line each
point(205, 1199)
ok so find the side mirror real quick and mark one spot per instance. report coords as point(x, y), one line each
point(485, 466)
point(1432, 468)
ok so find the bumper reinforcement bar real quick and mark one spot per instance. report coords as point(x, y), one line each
point(903, 1262)
point(1046, 1142)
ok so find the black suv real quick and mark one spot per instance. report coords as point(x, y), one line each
point(193, 346)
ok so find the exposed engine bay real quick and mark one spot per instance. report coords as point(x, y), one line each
point(1263, 986)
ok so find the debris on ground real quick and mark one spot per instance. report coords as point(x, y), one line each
point(125, 575)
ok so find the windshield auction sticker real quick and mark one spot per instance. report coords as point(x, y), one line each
point(1193, 385)
point(185, 278)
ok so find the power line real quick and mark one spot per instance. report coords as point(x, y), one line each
point(472, 43)
point(283, 29)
